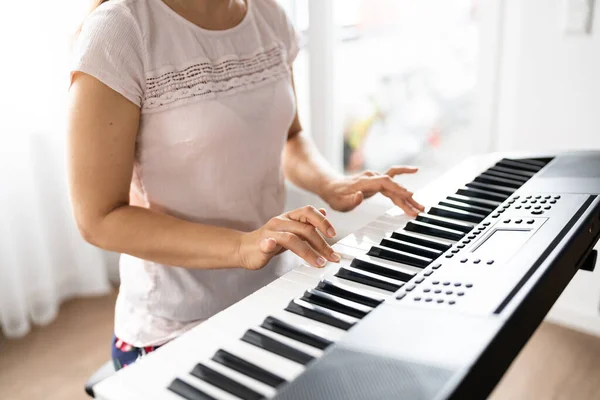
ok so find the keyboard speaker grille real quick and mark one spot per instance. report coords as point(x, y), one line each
point(344, 374)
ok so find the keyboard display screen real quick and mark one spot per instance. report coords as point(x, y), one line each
point(503, 243)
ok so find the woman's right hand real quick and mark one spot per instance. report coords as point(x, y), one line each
point(295, 231)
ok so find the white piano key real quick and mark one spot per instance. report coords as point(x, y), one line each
point(392, 264)
point(358, 243)
point(316, 272)
point(327, 331)
point(290, 342)
point(294, 289)
point(367, 234)
point(245, 380)
point(430, 237)
point(388, 229)
point(203, 386)
point(395, 222)
point(271, 362)
point(347, 252)
point(365, 290)
point(303, 279)
point(115, 388)
point(377, 229)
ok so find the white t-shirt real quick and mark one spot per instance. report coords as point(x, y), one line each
point(216, 107)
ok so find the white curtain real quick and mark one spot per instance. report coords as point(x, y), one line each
point(43, 260)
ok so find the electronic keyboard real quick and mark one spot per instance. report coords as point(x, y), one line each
point(432, 307)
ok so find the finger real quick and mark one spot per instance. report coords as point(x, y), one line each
point(309, 234)
point(401, 202)
point(415, 203)
point(378, 184)
point(301, 248)
point(310, 215)
point(323, 211)
point(396, 170)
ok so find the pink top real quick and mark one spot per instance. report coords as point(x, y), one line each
point(216, 107)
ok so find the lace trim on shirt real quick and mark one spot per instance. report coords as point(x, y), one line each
point(207, 79)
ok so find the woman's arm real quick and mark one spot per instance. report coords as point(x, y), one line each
point(102, 132)
point(306, 168)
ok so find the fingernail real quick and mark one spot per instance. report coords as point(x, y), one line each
point(331, 232)
point(321, 261)
point(336, 257)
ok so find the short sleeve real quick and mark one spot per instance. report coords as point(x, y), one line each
point(284, 28)
point(293, 39)
point(109, 48)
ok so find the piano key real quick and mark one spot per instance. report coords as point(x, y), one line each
point(371, 290)
point(474, 201)
point(188, 391)
point(366, 234)
point(368, 278)
point(350, 293)
point(261, 388)
point(321, 314)
point(294, 344)
point(296, 333)
point(433, 230)
point(202, 386)
point(319, 328)
point(389, 269)
point(508, 163)
point(513, 171)
point(450, 212)
point(398, 256)
point(225, 383)
point(266, 343)
point(383, 226)
point(319, 298)
point(445, 222)
point(300, 278)
point(514, 177)
point(532, 161)
point(482, 194)
point(247, 368)
point(271, 362)
point(410, 248)
point(502, 190)
point(348, 252)
point(423, 240)
point(459, 205)
point(495, 180)
point(354, 241)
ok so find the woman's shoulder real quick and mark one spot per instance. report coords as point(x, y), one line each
point(115, 16)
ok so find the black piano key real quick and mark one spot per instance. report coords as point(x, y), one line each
point(320, 314)
point(293, 332)
point(515, 164)
point(369, 279)
point(443, 222)
point(474, 201)
point(384, 269)
point(188, 391)
point(411, 248)
point(349, 293)
point(433, 230)
point(399, 256)
point(269, 344)
point(503, 190)
point(513, 177)
point(242, 366)
point(513, 171)
point(421, 241)
point(466, 207)
point(225, 383)
point(494, 180)
point(533, 161)
point(316, 297)
point(450, 212)
point(482, 194)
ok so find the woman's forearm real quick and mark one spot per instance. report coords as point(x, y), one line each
point(165, 239)
point(304, 165)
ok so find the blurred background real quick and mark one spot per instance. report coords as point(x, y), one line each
point(379, 82)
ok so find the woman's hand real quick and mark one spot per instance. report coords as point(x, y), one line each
point(347, 193)
point(295, 231)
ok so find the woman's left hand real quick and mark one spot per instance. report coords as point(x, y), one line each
point(347, 193)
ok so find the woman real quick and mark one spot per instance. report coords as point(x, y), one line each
point(182, 127)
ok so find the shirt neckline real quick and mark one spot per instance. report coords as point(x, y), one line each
point(205, 31)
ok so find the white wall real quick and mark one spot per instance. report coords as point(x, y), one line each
point(547, 98)
point(549, 93)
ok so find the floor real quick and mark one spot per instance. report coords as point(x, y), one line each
point(53, 362)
